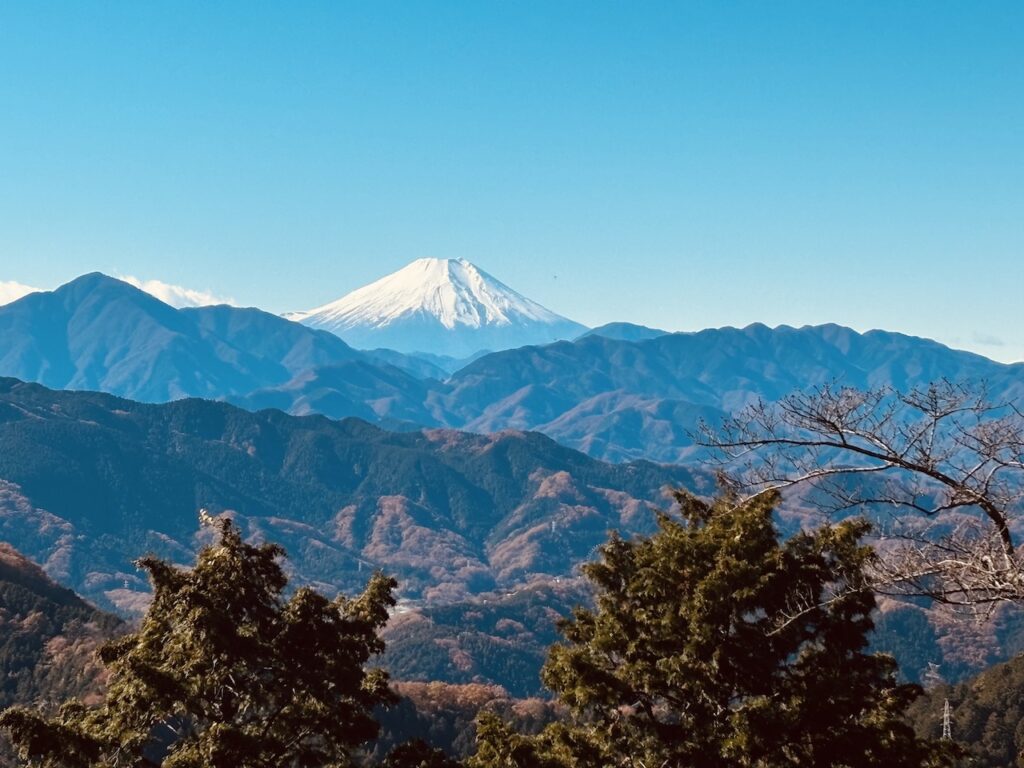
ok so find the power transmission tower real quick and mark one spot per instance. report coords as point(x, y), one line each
point(947, 731)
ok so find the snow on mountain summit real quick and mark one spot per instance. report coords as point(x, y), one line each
point(454, 291)
point(441, 306)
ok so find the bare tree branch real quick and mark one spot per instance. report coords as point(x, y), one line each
point(944, 460)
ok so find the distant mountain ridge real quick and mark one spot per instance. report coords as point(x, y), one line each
point(624, 332)
point(441, 307)
point(622, 392)
point(100, 333)
point(89, 481)
point(622, 400)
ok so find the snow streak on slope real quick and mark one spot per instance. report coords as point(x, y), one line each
point(441, 306)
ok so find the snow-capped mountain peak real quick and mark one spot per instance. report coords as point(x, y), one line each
point(441, 306)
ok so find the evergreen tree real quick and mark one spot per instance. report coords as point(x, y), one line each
point(713, 644)
point(224, 672)
point(499, 746)
point(417, 754)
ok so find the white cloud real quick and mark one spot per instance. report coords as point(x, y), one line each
point(12, 291)
point(176, 295)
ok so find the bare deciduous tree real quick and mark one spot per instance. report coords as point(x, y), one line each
point(946, 460)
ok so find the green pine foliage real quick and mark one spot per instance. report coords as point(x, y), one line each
point(500, 746)
point(417, 754)
point(224, 672)
point(444, 715)
point(714, 644)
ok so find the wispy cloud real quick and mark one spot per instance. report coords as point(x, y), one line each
point(177, 295)
point(12, 291)
point(988, 340)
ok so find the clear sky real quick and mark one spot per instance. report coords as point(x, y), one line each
point(677, 164)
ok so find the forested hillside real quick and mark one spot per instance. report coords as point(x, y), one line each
point(48, 636)
point(986, 716)
point(88, 482)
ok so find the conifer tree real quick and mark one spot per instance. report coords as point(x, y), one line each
point(715, 644)
point(224, 672)
point(417, 754)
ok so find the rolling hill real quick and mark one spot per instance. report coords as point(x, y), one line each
point(88, 482)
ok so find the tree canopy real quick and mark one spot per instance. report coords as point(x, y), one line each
point(715, 644)
point(226, 672)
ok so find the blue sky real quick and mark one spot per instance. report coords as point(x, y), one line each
point(677, 164)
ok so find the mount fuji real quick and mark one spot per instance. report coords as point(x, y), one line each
point(444, 307)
